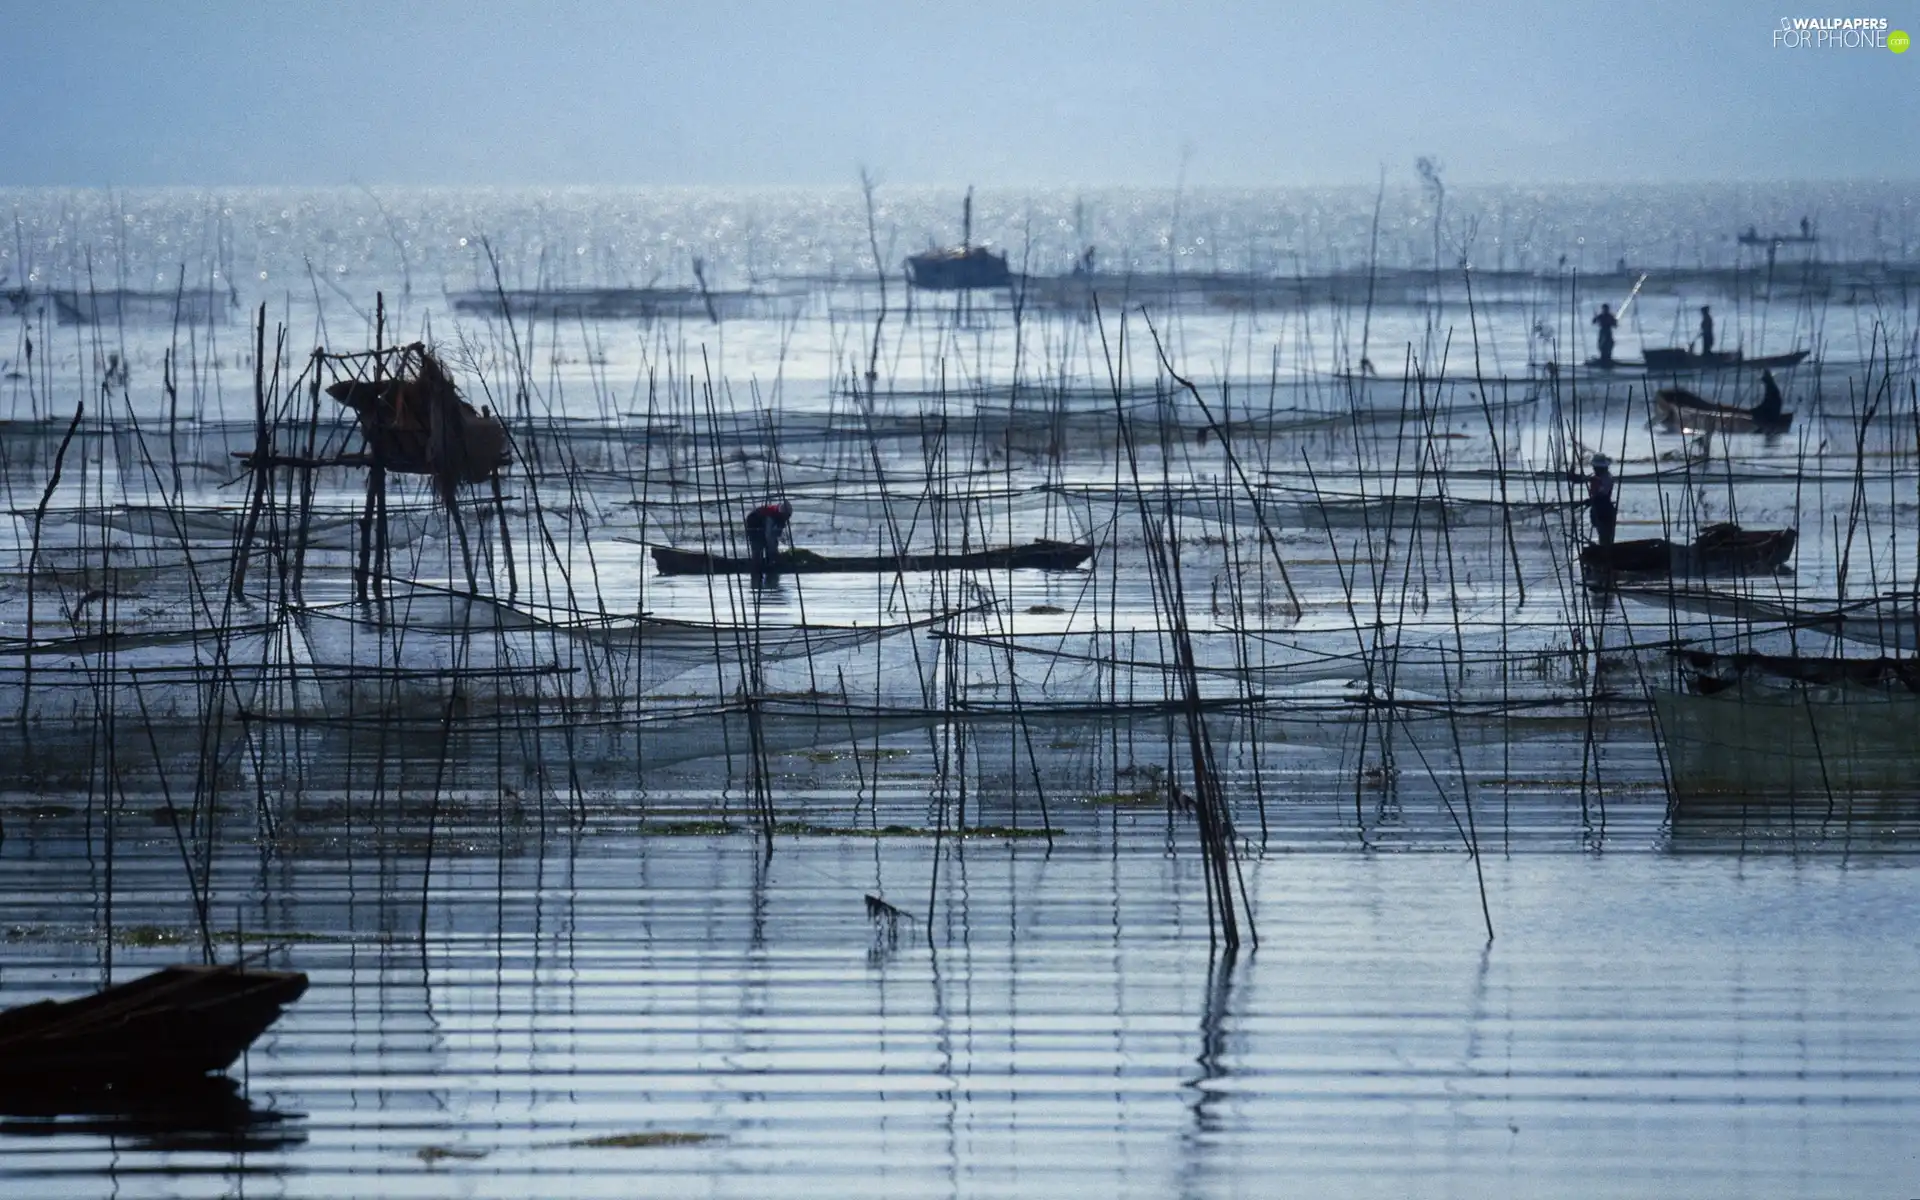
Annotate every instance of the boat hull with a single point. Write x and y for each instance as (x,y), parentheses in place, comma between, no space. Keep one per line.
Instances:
(1763,744)
(178,1023)
(1679,358)
(1681,408)
(1676,359)
(959,270)
(1039,556)
(1719,550)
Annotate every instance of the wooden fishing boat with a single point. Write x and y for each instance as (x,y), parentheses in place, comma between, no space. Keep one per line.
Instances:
(962,267)
(1679,358)
(1719,550)
(1710,672)
(1768,743)
(1035,556)
(1675,359)
(178,1023)
(957,268)
(1695,414)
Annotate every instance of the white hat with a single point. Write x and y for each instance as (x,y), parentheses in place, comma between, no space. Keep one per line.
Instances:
(1602,462)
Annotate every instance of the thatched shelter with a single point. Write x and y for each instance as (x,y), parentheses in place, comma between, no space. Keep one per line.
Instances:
(415,422)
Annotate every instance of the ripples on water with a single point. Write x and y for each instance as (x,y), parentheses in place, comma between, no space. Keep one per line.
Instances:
(1647,1023)
(590,980)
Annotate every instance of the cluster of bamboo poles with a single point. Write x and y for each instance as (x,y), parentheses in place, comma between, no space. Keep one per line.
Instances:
(1192,480)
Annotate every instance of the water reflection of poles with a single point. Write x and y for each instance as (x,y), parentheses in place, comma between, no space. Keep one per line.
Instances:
(1211,1060)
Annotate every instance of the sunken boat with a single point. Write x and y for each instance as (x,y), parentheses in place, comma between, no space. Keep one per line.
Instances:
(175,1025)
(1696,414)
(1723,549)
(1034,556)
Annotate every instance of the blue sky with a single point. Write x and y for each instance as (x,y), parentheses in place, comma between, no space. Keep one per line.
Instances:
(601,91)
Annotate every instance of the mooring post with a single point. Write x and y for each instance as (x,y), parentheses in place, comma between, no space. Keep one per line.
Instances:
(262,465)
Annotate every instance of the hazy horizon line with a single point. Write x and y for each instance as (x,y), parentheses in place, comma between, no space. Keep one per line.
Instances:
(881,183)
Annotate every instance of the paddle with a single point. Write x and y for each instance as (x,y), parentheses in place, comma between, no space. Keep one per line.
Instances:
(1621,315)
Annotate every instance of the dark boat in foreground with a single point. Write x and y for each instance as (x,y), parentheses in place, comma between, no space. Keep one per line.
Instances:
(1696,414)
(1036,556)
(1710,672)
(176,1024)
(1724,549)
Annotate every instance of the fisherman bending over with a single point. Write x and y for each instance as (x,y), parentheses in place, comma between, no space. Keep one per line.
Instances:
(1773,402)
(1600,505)
(1606,321)
(1706,331)
(765,526)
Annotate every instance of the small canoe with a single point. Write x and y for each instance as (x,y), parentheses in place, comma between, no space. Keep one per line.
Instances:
(1668,360)
(1719,550)
(1679,358)
(1035,556)
(178,1023)
(1695,414)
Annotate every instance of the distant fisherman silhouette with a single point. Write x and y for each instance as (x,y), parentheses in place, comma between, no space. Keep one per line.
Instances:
(1706,331)
(1600,505)
(1773,402)
(765,526)
(1606,321)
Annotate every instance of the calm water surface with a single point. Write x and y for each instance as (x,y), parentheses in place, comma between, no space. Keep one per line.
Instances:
(550,957)
(1668,1017)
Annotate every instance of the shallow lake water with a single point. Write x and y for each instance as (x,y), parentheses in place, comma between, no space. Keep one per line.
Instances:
(615,883)
(595,1013)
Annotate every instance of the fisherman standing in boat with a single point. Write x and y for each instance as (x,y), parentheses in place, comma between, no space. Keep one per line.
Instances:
(1706,332)
(1772,403)
(1606,321)
(765,527)
(1600,505)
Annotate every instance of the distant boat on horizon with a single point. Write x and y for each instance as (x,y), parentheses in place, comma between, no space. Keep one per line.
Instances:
(1753,237)
(962,267)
